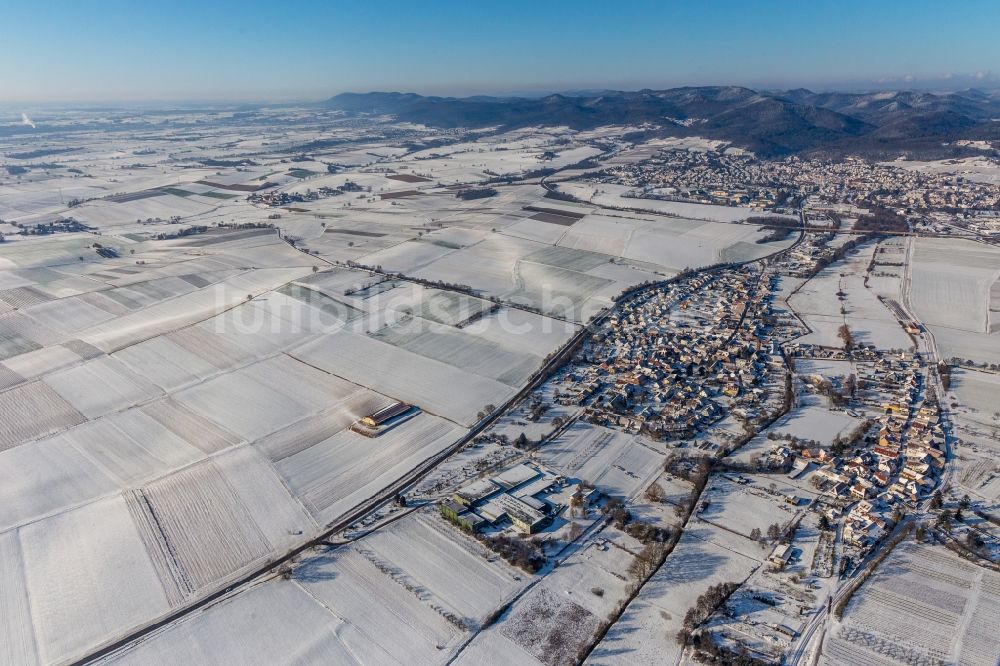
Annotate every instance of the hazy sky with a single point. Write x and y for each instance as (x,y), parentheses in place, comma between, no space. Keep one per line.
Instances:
(247,50)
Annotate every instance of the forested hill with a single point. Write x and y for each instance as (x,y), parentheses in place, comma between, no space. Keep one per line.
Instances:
(883,124)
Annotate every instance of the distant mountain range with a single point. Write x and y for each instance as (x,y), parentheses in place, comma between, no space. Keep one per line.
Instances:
(882,124)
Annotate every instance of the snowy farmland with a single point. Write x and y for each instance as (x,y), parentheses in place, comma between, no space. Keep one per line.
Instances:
(410,593)
(199,446)
(440,388)
(954,290)
(924,605)
(613,196)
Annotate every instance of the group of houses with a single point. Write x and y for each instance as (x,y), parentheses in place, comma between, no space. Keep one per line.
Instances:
(670,360)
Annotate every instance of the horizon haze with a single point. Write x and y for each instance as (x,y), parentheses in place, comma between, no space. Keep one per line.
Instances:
(119,52)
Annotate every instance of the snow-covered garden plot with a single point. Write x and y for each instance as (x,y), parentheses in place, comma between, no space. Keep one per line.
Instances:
(278,622)
(923,605)
(550,627)
(32,410)
(741,509)
(347,468)
(433,386)
(646,632)
(951,282)
(88,576)
(617,463)
(453,569)
(383,620)
(810,420)
(460,349)
(559,616)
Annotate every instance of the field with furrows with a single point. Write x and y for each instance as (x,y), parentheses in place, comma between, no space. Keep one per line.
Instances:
(32,410)
(923,606)
(201,526)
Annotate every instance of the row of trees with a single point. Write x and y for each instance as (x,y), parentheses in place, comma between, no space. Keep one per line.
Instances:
(475,193)
(704,606)
(775,533)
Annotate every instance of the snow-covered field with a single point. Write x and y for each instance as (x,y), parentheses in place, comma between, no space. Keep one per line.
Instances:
(951,281)
(646,632)
(410,593)
(979,391)
(176,396)
(742,509)
(613,196)
(339,472)
(619,464)
(813,421)
(924,603)
(437,387)
(838,295)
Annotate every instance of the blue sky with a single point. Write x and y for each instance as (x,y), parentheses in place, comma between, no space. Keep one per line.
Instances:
(249,50)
